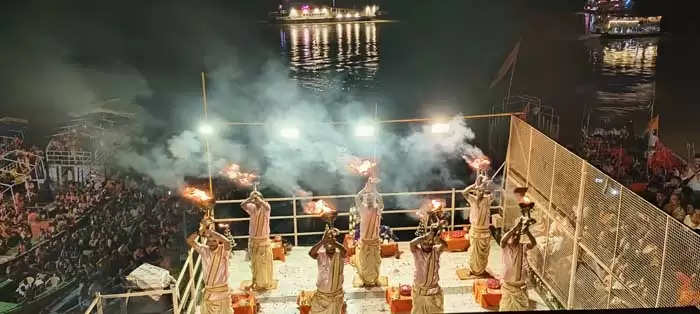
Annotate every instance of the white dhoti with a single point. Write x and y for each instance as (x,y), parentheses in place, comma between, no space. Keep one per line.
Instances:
(514,297)
(367,260)
(217,306)
(328,303)
(427,300)
(479,246)
(261,264)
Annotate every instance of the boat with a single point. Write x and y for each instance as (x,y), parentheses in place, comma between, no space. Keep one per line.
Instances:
(307,13)
(628,26)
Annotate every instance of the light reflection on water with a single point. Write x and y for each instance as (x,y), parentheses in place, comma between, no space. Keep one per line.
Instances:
(324,57)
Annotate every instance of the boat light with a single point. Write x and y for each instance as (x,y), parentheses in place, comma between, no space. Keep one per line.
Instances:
(293,12)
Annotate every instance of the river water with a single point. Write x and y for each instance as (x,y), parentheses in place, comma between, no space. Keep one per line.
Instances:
(413,66)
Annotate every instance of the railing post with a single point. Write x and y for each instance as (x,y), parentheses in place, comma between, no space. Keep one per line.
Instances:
(529,160)
(549,211)
(453,209)
(617,238)
(506,171)
(294,214)
(663,262)
(175,294)
(577,235)
(190,266)
(99,303)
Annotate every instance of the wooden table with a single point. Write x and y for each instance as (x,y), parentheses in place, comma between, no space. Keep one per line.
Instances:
(401,305)
(487,298)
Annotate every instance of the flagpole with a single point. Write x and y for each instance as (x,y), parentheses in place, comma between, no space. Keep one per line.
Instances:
(512,73)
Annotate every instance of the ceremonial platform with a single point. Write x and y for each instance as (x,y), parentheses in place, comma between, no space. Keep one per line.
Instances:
(299,272)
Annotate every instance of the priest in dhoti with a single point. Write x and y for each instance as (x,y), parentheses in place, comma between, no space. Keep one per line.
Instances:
(215,257)
(329,256)
(514,288)
(427,294)
(367,258)
(259,246)
(479,198)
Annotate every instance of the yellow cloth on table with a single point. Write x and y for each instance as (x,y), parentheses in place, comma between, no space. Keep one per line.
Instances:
(328,303)
(427,301)
(514,297)
(220,306)
(261,264)
(479,246)
(367,260)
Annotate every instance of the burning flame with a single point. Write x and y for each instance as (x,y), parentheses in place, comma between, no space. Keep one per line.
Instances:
(479,163)
(317,208)
(526,200)
(361,167)
(436,204)
(234,173)
(196,194)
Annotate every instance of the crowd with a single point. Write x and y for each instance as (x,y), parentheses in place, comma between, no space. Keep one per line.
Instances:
(649,168)
(124,224)
(70,142)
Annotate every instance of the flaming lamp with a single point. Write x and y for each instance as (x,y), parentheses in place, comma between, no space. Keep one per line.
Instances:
(203,200)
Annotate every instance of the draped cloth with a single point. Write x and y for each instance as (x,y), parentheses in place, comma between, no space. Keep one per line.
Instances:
(261,264)
(479,246)
(514,296)
(367,260)
(216,306)
(328,303)
(427,300)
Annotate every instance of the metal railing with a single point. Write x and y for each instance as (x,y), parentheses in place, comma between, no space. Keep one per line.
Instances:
(68,158)
(185,299)
(599,244)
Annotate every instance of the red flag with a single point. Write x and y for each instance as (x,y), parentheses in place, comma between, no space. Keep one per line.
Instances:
(507,65)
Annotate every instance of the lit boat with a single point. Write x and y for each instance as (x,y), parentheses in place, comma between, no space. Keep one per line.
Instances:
(306,13)
(628,26)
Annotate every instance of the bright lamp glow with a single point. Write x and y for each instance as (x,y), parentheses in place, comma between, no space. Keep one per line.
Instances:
(316,11)
(290,133)
(293,12)
(206,129)
(357,15)
(364,130)
(440,128)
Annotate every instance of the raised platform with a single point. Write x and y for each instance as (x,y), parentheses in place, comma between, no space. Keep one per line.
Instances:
(299,273)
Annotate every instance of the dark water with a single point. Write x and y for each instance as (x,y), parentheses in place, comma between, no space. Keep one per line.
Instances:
(421,68)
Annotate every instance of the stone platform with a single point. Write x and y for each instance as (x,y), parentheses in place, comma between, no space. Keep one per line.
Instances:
(299,273)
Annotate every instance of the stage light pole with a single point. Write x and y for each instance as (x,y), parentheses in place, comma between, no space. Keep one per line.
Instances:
(206,130)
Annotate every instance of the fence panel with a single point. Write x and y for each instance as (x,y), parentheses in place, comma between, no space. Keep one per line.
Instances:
(631,254)
(681,262)
(601,202)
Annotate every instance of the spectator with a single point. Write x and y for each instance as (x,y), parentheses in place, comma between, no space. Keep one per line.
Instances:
(692,219)
(674,207)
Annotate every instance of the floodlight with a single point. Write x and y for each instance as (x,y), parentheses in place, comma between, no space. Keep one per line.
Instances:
(364,130)
(206,129)
(440,127)
(290,133)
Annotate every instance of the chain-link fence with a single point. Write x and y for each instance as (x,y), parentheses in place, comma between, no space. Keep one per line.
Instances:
(599,245)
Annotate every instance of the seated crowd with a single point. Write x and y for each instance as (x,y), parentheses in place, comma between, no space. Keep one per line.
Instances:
(131,224)
(650,169)
(69,142)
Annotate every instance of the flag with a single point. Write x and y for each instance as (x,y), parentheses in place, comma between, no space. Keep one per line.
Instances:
(507,65)
(653,124)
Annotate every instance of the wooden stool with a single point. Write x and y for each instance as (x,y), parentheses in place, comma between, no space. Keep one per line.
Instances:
(487,298)
(278,251)
(457,241)
(389,249)
(349,244)
(398,303)
(243,303)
